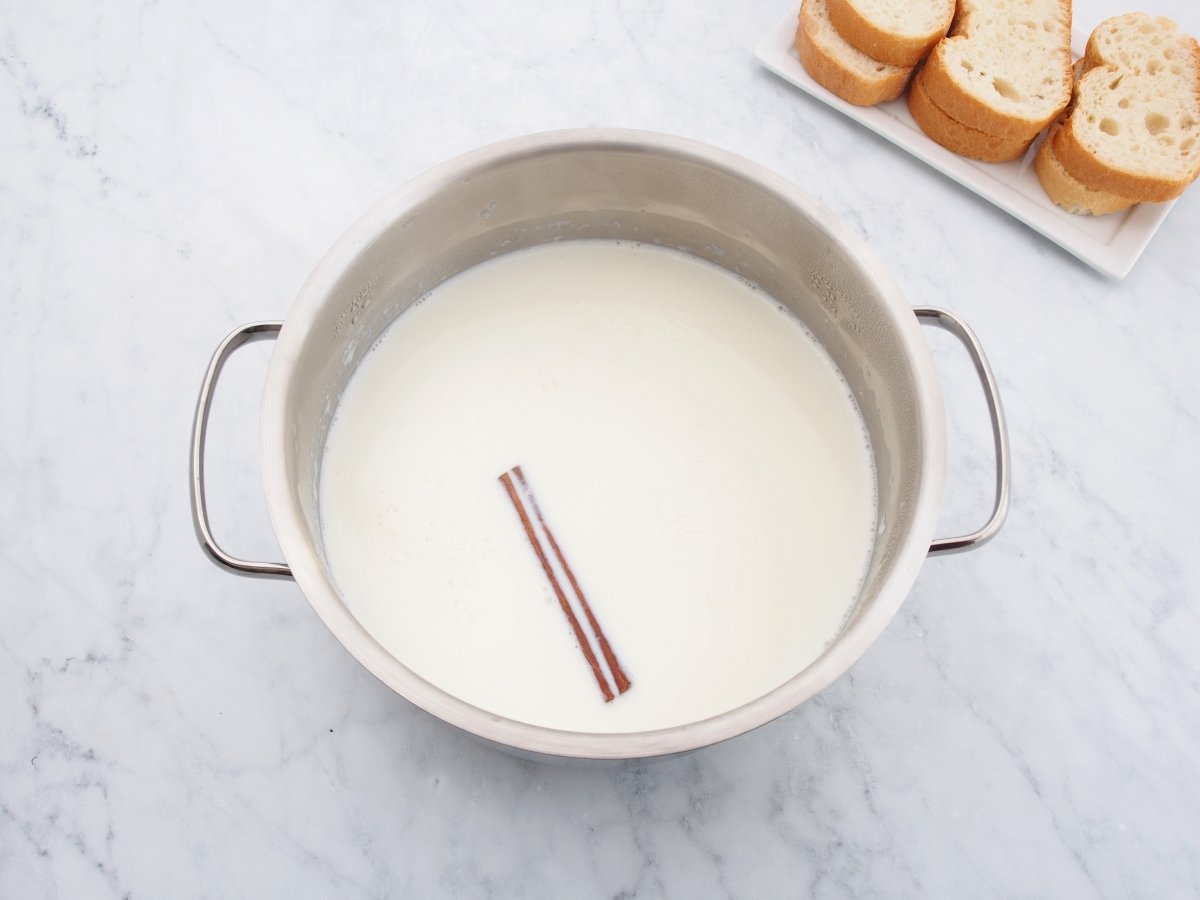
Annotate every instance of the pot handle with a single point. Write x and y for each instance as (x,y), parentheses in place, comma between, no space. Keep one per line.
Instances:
(254,331)
(957,327)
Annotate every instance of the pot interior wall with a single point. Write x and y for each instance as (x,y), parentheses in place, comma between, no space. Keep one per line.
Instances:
(600,191)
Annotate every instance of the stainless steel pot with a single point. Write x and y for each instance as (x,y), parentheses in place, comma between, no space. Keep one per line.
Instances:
(607,184)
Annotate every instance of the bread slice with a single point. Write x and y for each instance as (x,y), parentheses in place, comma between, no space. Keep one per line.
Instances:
(953,135)
(1006,67)
(1135,127)
(1066,191)
(1063,188)
(899,32)
(841,68)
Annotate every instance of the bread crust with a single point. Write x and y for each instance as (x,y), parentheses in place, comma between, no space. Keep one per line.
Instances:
(831,73)
(881,44)
(954,135)
(1066,191)
(1082,164)
(973,111)
(1079,162)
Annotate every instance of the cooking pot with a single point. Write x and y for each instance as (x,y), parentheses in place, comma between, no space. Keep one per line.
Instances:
(635,186)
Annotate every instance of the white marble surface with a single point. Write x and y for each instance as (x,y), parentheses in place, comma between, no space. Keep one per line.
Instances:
(1028,726)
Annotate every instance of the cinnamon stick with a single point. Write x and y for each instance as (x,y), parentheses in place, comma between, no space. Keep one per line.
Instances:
(605,667)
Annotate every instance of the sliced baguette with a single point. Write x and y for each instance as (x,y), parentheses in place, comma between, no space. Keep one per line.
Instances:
(954,135)
(1072,195)
(899,32)
(1063,188)
(1135,127)
(1005,69)
(840,67)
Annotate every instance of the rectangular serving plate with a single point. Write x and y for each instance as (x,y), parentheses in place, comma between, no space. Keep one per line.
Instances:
(1110,244)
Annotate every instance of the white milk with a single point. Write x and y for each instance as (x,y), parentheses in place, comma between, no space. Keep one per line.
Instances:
(696,454)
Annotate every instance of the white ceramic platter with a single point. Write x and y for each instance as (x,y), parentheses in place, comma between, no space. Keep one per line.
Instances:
(1110,244)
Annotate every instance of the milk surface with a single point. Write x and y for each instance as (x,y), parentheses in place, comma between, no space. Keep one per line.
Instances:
(697,454)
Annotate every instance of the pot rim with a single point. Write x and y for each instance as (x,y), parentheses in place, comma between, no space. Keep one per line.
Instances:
(287,517)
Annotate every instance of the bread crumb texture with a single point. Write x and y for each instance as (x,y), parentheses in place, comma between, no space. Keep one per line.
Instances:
(1006,67)
(900,32)
(1135,124)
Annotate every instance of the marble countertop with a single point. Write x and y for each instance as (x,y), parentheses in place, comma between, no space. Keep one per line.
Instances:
(1028,726)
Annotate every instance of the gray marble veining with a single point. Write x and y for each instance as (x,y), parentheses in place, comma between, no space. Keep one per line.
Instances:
(1029,726)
